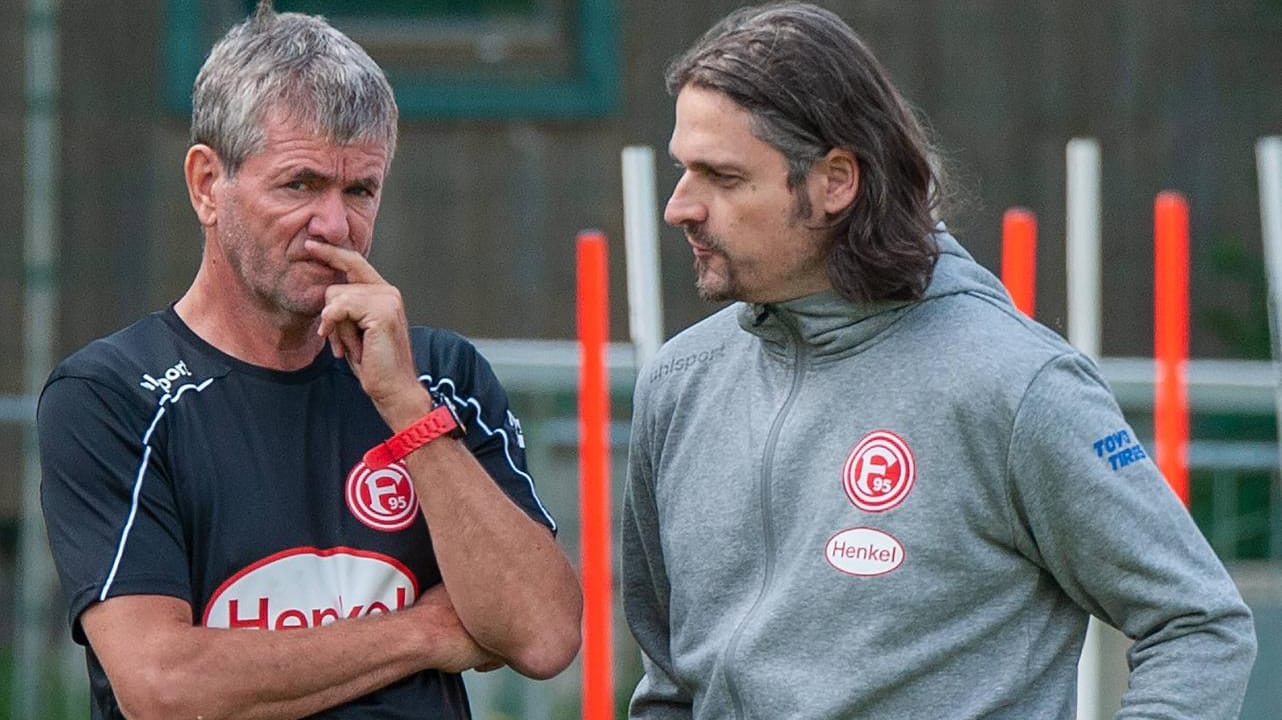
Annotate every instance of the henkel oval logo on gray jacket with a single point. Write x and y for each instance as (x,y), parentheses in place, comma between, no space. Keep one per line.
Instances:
(864,552)
(307,587)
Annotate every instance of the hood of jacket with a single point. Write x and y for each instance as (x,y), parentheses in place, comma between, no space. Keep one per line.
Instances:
(831,326)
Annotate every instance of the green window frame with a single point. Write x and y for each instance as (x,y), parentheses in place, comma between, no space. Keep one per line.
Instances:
(581,80)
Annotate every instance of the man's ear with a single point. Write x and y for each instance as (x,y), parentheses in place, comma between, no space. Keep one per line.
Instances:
(203,169)
(841,180)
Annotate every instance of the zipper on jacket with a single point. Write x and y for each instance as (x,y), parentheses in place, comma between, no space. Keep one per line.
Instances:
(768,535)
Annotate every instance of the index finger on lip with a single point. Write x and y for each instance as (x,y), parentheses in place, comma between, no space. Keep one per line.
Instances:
(351,262)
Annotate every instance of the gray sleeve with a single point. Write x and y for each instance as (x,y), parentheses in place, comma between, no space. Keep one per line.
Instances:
(645,583)
(1093,510)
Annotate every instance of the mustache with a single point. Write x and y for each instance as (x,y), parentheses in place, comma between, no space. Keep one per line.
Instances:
(697,234)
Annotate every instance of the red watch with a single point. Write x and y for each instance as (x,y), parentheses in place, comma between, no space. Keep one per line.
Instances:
(441,421)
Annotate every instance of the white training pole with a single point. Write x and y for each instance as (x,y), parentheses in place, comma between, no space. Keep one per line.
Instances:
(1268,161)
(1082,245)
(641,240)
(40,230)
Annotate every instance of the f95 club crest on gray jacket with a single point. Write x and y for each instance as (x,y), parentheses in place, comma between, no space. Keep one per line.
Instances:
(906,510)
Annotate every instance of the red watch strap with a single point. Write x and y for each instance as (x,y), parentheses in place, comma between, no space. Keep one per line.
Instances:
(440,421)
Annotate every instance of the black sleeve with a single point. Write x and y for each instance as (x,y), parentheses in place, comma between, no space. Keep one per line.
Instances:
(493,431)
(108,506)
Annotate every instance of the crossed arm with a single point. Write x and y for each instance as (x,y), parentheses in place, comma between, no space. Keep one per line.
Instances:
(161,666)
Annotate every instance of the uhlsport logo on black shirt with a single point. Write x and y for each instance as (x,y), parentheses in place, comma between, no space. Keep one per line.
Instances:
(167,378)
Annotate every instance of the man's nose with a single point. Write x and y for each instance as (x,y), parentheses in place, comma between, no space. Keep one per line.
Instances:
(683,207)
(329,218)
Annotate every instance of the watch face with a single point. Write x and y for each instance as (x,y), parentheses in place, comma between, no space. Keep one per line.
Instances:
(441,400)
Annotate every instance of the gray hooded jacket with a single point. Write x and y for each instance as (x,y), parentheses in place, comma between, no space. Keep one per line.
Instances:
(906,511)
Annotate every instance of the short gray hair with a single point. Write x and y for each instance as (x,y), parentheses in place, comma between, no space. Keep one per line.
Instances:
(295,63)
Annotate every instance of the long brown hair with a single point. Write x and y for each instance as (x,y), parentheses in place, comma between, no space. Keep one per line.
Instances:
(810,85)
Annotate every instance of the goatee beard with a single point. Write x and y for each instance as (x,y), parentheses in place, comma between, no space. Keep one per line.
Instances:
(699,236)
(708,292)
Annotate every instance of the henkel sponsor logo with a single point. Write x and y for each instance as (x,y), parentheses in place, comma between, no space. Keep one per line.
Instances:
(167,378)
(383,499)
(308,587)
(864,552)
(879,473)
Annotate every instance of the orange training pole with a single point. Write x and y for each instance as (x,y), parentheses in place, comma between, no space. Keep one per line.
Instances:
(1019,257)
(1171,338)
(594,477)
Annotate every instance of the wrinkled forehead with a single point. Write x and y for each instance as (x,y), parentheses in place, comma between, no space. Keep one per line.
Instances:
(286,121)
(290,146)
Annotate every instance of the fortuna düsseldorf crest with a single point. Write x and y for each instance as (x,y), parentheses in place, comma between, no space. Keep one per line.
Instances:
(879,472)
(383,499)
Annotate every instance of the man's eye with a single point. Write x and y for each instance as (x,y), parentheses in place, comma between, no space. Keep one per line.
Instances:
(296,185)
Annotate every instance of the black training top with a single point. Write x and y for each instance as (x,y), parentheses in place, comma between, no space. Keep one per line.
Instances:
(172,468)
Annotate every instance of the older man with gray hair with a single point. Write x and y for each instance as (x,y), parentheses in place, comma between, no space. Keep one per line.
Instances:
(279,451)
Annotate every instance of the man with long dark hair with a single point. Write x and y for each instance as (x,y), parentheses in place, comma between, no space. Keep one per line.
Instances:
(871,488)
(239,489)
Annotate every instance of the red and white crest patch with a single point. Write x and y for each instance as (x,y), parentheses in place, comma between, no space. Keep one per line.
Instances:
(880,472)
(383,499)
